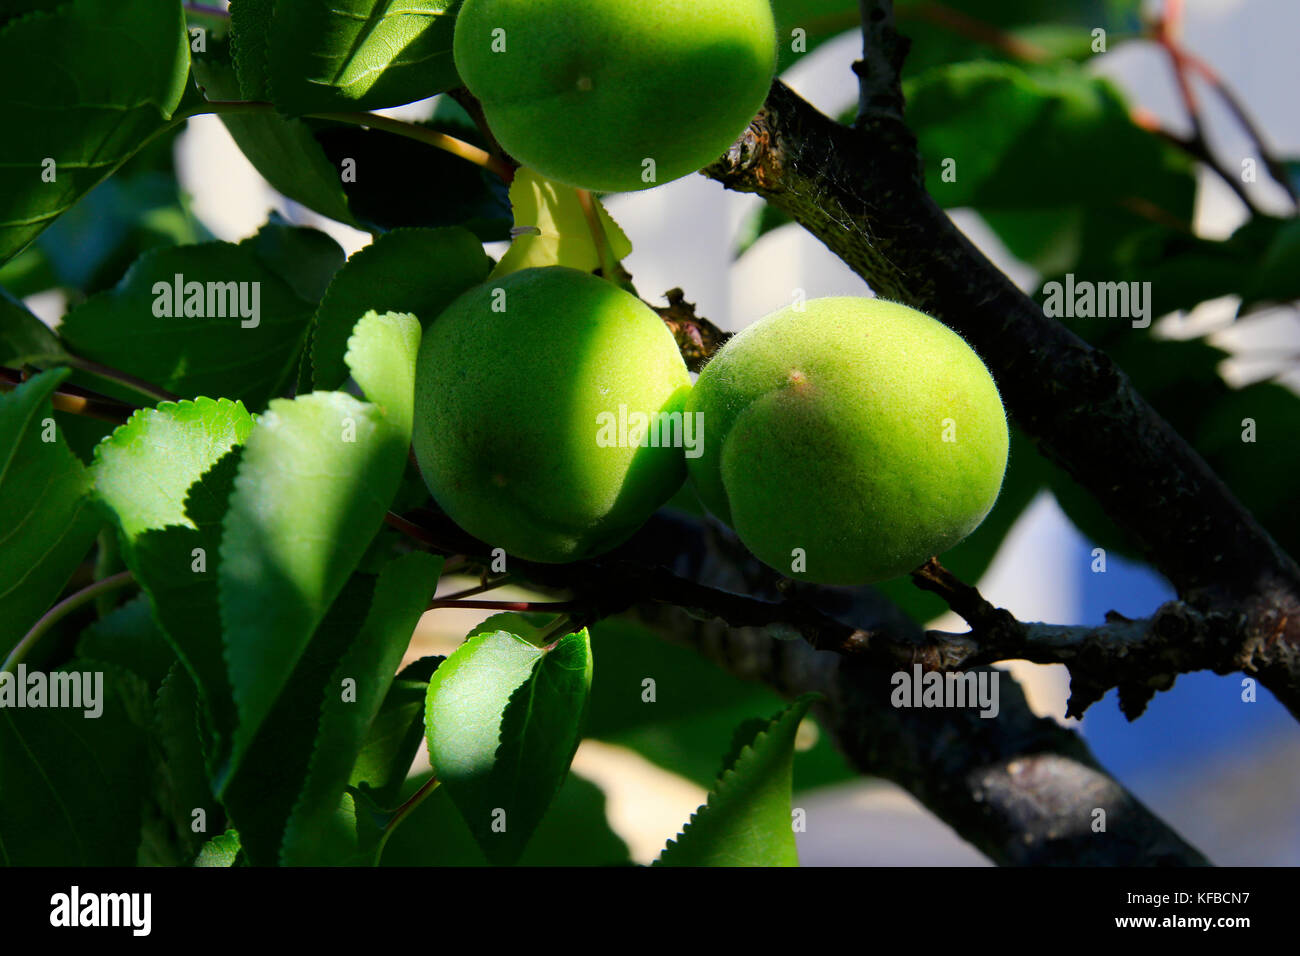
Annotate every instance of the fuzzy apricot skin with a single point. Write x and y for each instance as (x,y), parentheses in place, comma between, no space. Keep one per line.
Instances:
(513,383)
(587,91)
(856,436)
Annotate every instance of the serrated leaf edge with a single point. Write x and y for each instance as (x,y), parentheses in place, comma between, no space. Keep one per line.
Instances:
(799,707)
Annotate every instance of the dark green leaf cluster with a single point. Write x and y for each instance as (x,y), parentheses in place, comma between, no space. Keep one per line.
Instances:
(203,467)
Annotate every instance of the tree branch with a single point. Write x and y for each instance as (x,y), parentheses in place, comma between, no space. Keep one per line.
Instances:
(697,337)
(880,90)
(860,191)
(1022,789)
(1137,656)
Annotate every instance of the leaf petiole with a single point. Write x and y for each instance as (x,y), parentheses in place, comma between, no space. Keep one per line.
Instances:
(59,612)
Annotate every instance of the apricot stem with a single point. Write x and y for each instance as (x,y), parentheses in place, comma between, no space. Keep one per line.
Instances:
(430,137)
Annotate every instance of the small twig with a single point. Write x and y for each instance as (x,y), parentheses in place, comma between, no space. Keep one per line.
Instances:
(522,606)
(697,338)
(942,15)
(1167,33)
(404,811)
(1199,150)
(422,134)
(67,400)
(470,104)
(480,589)
(880,91)
(411,530)
(59,612)
(135,383)
(963,598)
(1275,168)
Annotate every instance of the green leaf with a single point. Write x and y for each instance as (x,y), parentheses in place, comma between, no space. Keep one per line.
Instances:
(959,30)
(17,8)
(282,149)
(503,719)
(574,832)
(392,741)
(416,271)
(1259,263)
(695,704)
(181,773)
(452,192)
(1276,275)
(404,589)
(109,77)
(127,637)
(47,523)
(260,790)
(381,354)
(1016,133)
(71,786)
(746,821)
(1002,138)
(25,339)
(28,272)
(278,275)
(558,233)
(263,790)
(177,566)
(314,483)
(173,444)
(816,20)
(250,25)
(763,220)
(359,54)
(171,526)
(1248,438)
(221,850)
(1291,170)
(140,207)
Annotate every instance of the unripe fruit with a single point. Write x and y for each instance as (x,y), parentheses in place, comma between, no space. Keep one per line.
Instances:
(587,91)
(860,431)
(513,383)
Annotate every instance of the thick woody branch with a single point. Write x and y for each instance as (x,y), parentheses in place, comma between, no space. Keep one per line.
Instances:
(1022,789)
(861,193)
(655,568)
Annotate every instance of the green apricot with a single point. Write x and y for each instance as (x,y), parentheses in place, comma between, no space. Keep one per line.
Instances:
(517,384)
(586,91)
(860,431)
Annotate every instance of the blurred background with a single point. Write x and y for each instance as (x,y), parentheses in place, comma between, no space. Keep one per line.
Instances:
(1224,772)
